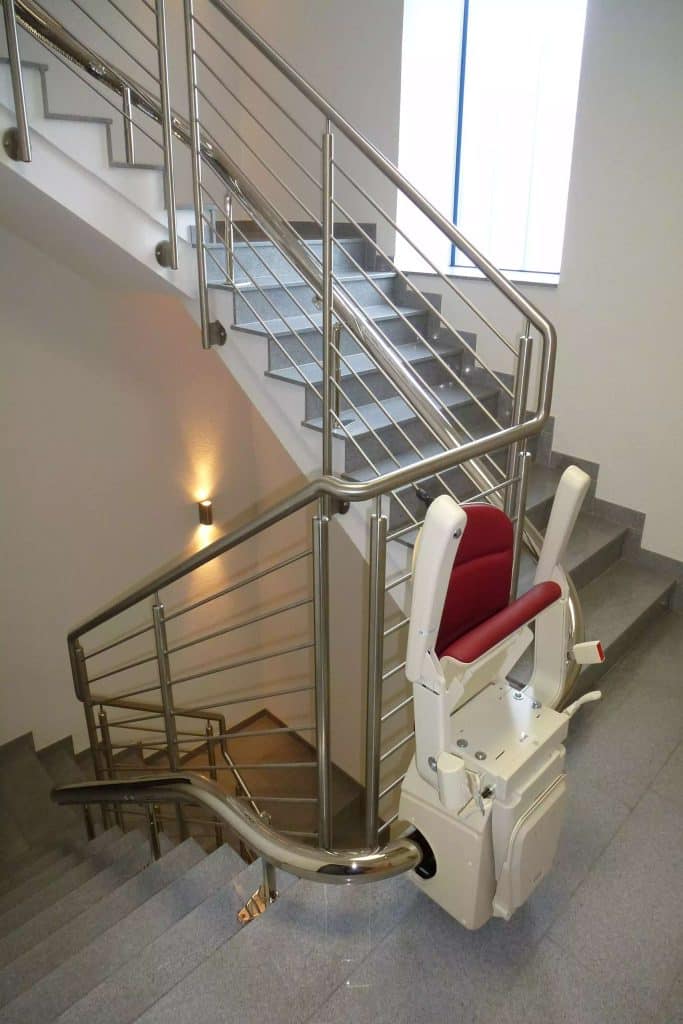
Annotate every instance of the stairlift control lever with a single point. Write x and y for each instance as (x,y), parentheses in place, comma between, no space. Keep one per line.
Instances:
(587,698)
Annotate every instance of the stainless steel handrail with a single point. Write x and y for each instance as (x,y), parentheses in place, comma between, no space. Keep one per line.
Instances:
(23,139)
(346,867)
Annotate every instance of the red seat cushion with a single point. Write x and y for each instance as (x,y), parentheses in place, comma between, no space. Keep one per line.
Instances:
(479,586)
(471,645)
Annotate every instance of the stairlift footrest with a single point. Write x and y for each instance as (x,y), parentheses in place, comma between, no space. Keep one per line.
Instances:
(588,653)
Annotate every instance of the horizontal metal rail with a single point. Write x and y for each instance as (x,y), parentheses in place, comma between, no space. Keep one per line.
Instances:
(239,625)
(347,867)
(268,656)
(236,586)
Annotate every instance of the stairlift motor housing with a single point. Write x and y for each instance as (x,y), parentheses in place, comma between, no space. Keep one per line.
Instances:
(486,787)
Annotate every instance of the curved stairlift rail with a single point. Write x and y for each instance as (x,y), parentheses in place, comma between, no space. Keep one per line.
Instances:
(331,492)
(340,867)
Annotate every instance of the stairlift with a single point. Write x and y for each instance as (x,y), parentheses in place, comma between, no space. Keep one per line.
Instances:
(485,790)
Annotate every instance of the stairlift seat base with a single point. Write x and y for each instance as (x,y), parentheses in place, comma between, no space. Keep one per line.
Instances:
(493,851)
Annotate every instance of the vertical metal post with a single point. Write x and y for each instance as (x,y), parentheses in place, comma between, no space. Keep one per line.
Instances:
(154,841)
(166,251)
(128,140)
(524,463)
(321,625)
(269,881)
(229,240)
(328,293)
(519,407)
(89,823)
(16,141)
(79,672)
(211,754)
(373,727)
(109,760)
(335,375)
(213,332)
(165,691)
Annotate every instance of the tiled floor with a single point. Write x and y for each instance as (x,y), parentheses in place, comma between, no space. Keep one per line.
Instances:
(601,942)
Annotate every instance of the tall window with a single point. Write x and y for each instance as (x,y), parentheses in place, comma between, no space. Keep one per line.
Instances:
(517,106)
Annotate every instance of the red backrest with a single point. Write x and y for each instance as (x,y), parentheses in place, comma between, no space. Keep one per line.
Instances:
(480,579)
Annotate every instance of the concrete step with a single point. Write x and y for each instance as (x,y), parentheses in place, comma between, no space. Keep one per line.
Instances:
(594,546)
(43,955)
(14,844)
(125,941)
(251,301)
(379,430)
(59,760)
(259,261)
(305,325)
(25,794)
(41,858)
(305,346)
(108,861)
(618,605)
(143,980)
(362,382)
(75,903)
(39,876)
(285,964)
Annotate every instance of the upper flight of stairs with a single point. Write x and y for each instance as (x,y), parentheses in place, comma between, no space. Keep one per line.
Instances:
(618,593)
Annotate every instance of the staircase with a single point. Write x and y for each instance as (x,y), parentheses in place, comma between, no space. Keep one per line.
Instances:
(345,355)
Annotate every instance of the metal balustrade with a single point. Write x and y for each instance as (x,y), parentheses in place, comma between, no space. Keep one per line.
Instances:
(233,128)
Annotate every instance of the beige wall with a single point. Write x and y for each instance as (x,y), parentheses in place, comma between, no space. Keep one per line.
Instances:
(114,422)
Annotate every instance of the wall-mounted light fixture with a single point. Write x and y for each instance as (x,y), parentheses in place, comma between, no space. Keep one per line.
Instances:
(205,512)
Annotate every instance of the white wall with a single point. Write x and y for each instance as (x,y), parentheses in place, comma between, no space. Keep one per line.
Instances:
(617,306)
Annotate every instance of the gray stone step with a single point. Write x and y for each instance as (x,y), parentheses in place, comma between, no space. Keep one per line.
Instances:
(41,957)
(269,302)
(59,760)
(289,348)
(285,964)
(13,844)
(105,860)
(37,877)
(39,859)
(362,382)
(56,914)
(143,980)
(374,436)
(617,607)
(123,942)
(25,794)
(260,260)
(594,546)
(377,311)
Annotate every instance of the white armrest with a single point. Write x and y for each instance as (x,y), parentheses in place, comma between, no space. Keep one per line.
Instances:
(571,491)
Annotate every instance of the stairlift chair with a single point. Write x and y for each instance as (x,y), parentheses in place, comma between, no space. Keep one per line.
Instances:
(485,790)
